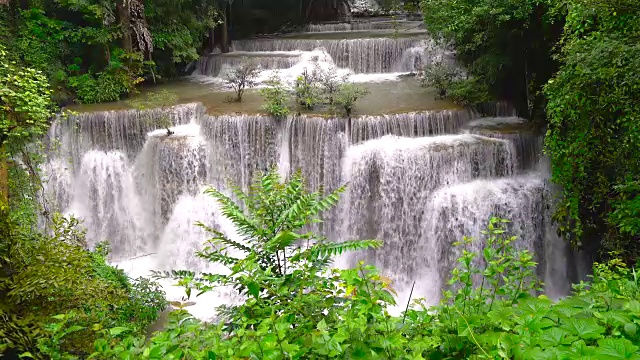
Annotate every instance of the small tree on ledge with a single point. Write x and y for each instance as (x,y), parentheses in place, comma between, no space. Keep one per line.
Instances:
(243,77)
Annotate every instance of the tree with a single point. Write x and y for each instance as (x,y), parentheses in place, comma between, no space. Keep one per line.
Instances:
(506,45)
(243,77)
(593,137)
(25,110)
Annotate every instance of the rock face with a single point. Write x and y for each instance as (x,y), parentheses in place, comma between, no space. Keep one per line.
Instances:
(328,10)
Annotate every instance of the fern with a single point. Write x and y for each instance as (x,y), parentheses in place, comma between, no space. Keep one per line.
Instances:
(338,248)
(268,217)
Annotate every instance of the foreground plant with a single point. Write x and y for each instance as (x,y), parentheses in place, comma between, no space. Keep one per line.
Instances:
(296,308)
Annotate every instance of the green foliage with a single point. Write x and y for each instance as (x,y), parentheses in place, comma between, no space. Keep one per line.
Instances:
(439,75)
(39,44)
(593,125)
(270,245)
(468,92)
(45,276)
(243,77)
(347,96)
(25,103)
(490,310)
(51,35)
(324,89)
(307,92)
(118,79)
(505,45)
(276,97)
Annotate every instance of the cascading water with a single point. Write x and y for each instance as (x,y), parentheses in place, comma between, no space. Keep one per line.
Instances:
(392,178)
(374,55)
(418,180)
(219,64)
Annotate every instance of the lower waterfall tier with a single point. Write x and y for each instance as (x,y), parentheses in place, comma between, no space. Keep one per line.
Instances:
(417,181)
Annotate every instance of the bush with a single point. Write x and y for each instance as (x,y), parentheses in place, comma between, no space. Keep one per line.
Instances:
(308,94)
(347,96)
(118,80)
(276,97)
(243,77)
(448,83)
(47,276)
(468,92)
(439,75)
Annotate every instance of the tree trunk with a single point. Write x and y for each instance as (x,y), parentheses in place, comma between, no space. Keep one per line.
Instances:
(224,42)
(211,41)
(124,19)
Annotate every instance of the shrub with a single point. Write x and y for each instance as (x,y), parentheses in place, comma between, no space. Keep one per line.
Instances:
(276,96)
(330,83)
(347,96)
(117,80)
(48,276)
(468,92)
(439,75)
(308,93)
(243,77)
(447,80)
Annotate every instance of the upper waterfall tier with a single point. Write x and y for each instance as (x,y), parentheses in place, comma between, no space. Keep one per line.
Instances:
(373,55)
(364,25)
(213,65)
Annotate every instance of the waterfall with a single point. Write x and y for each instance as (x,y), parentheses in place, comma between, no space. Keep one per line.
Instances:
(464,210)
(416,124)
(220,64)
(391,179)
(240,146)
(354,26)
(527,143)
(104,198)
(373,55)
(418,181)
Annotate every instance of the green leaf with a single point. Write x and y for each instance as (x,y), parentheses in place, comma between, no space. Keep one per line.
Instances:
(584,328)
(609,349)
(631,329)
(554,337)
(118,330)
(254,289)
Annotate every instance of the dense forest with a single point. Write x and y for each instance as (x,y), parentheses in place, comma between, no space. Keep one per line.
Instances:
(572,67)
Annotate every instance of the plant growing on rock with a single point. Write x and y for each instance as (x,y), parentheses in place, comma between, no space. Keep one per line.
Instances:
(243,77)
(307,91)
(347,96)
(439,75)
(276,96)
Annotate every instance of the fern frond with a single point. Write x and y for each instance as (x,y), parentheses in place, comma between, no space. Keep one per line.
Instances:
(298,210)
(338,248)
(221,239)
(232,211)
(330,200)
(216,256)
(173,274)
